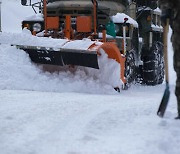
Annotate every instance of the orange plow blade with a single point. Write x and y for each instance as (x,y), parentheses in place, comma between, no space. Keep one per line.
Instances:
(62,57)
(113,53)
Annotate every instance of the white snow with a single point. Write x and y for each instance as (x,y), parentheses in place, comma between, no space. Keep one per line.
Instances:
(157,10)
(119,18)
(79,44)
(35,17)
(143,8)
(157,27)
(74,112)
(25,38)
(17,72)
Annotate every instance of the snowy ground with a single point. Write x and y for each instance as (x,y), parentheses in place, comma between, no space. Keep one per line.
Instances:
(71,113)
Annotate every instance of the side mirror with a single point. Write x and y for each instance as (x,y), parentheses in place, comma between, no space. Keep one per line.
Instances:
(23,2)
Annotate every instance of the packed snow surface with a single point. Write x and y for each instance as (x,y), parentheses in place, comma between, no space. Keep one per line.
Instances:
(77,111)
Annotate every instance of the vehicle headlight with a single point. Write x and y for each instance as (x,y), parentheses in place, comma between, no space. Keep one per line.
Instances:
(37,27)
(26,26)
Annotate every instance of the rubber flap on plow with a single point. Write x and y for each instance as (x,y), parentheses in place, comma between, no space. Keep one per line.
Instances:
(62,56)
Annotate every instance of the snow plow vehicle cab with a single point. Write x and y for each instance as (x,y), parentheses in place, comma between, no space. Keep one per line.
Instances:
(129,32)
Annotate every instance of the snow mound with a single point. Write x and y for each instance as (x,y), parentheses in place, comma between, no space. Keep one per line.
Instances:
(26,38)
(19,73)
(109,71)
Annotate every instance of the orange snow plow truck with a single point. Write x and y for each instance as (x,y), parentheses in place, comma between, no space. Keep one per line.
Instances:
(129,32)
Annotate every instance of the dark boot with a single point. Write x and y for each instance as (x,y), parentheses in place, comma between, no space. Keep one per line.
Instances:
(178,100)
(178,117)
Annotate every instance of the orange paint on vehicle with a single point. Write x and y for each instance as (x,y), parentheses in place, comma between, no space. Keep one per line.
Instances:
(53,23)
(84,24)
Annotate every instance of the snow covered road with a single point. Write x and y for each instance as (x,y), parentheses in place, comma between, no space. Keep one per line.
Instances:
(77,123)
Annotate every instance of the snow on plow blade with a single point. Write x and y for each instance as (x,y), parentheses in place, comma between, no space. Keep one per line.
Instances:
(62,56)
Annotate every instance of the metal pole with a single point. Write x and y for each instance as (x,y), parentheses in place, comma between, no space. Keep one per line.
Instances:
(124,39)
(0,15)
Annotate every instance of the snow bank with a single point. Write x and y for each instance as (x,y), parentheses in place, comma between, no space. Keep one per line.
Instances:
(109,71)
(17,72)
(108,74)
(119,18)
(25,38)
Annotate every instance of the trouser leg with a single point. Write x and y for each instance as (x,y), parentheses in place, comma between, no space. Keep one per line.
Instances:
(177,92)
(177,69)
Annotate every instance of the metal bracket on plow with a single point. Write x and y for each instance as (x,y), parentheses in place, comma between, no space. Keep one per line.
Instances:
(61,56)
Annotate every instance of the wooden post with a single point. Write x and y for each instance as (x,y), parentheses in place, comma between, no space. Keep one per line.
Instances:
(165,41)
(95,17)
(45,15)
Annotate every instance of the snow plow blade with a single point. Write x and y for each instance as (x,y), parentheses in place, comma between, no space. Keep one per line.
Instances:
(61,57)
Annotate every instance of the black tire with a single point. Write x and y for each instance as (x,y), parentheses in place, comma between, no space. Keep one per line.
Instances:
(161,69)
(130,67)
(153,65)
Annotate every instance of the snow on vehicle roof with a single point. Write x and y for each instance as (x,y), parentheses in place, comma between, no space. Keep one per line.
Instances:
(35,17)
(119,18)
(144,8)
(157,10)
(157,27)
